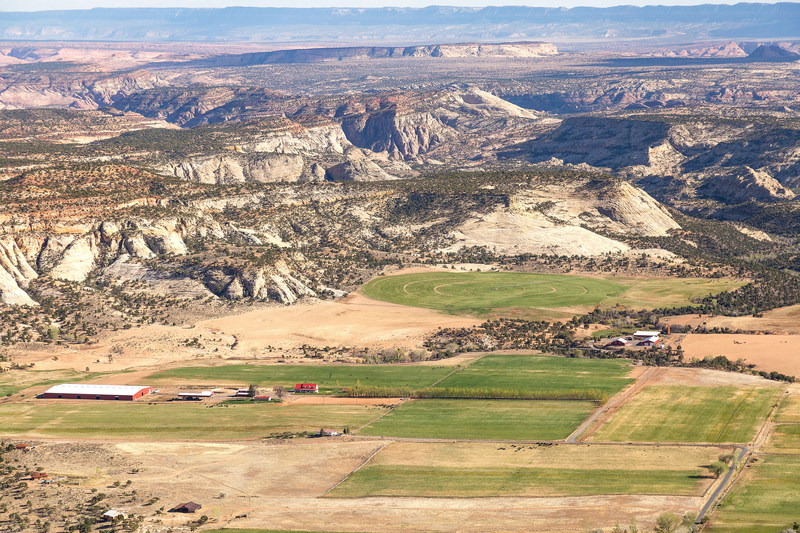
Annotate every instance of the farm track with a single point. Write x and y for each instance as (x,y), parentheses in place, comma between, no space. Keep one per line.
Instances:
(613,404)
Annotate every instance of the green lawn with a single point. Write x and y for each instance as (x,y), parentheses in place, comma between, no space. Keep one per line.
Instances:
(421,481)
(483,292)
(690,414)
(328,377)
(544,373)
(167,421)
(482,419)
(766,499)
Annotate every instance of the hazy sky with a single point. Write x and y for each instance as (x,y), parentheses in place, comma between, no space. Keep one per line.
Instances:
(38,5)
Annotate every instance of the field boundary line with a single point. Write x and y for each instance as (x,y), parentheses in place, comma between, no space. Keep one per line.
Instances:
(615,402)
(389,410)
(457,370)
(359,467)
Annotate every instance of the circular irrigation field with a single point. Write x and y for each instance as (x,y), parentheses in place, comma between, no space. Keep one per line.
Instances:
(478,292)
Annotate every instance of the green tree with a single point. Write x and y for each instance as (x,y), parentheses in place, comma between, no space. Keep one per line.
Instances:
(667,523)
(717,468)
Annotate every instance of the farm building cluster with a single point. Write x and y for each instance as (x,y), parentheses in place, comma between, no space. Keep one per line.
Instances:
(84,391)
(639,338)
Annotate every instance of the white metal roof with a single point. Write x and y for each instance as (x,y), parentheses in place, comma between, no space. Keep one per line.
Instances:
(652,339)
(205,394)
(89,389)
(646,333)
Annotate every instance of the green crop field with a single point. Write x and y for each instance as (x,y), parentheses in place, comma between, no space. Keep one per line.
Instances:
(326,376)
(765,500)
(690,414)
(165,421)
(785,438)
(484,292)
(421,481)
(543,373)
(482,419)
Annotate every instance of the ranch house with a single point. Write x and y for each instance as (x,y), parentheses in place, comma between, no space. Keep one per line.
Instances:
(306,387)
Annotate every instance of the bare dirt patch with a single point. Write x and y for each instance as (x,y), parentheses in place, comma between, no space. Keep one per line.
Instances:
(783,320)
(279,485)
(779,353)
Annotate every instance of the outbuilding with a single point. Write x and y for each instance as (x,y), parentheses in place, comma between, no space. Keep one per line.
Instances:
(188,507)
(306,387)
(113,514)
(195,395)
(652,341)
(83,391)
(619,341)
(642,335)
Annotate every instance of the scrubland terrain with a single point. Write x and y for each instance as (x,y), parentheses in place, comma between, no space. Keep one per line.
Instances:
(445,239)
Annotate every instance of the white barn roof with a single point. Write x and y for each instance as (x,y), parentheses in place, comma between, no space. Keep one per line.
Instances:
(85,388)
(646,333)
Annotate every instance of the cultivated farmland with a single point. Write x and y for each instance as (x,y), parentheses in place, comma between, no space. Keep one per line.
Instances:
(690,414)
(543,373)
(480,470)
(174,420)
(326,376)
(483,292)
(765,500)
(482,419)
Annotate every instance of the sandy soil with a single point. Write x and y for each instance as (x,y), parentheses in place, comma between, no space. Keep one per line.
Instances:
(279,486)
(701,377)
(780,353)
(783,320)
(352,321)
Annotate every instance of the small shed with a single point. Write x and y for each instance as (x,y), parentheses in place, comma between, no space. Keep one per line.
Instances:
(306,387)
(188,507)
(242,393)
(113,514)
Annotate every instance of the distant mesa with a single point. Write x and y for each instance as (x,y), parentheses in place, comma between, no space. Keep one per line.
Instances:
(315,55)
(773,52)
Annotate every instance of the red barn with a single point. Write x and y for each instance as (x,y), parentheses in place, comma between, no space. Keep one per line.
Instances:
(652,341)
(621,341)
(306,387)
(83,391)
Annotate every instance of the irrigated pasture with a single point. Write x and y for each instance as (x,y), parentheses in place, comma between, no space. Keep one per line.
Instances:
(483,292)
(163,421)
(690,414)
(542,373)
(326,376)
(482,419)
(481,470)
(764,500)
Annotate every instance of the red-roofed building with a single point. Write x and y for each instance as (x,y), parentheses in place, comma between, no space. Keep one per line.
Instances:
(306,387)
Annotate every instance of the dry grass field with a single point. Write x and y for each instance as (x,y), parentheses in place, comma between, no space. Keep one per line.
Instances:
(480,470)
(779,353)
(278,486)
